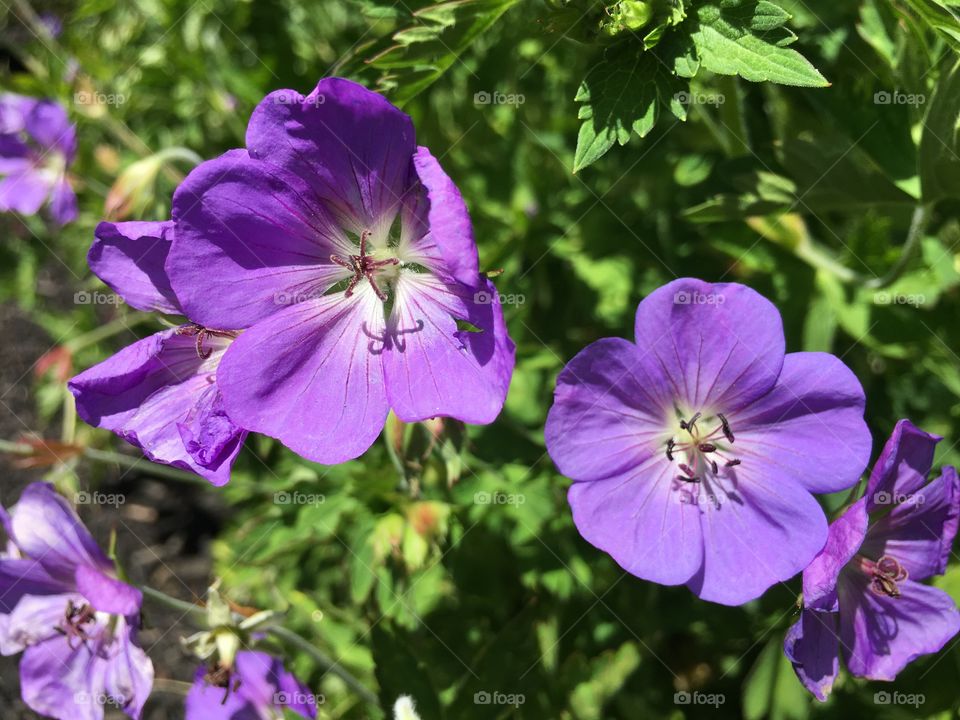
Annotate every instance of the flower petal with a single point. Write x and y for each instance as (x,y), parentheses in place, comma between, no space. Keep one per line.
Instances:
(128,674)
(249,240)
(47,123)
(902,467)
(442,239)
(21,576)
(62,682)
(208,702)
(350,144)
(312,376)
(107,594)
(34,619)
(641,519)
(208,434)
(23,192)
(433,368)
(267,684)
(145,391)
(919,532)
(610,411)
(720,345)
(882,635)
(844,539)
(129,257)
(809,427)
(813,646)
(46,529)
(758,532)
(63,202)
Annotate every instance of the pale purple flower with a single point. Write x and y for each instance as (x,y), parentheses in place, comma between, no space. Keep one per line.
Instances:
(159,393)
(349,254)
(256,688)
(694,451)
(65,609)
(863,593)
(37,145)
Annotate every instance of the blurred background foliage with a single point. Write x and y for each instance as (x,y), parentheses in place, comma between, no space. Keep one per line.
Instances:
(444,562)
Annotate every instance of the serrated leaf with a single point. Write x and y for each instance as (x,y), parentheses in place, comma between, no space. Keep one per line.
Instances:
(747,38)
(622,94)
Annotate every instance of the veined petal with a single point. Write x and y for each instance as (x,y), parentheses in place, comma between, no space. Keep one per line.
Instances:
(62,681)
(23,576)
(844,539)
(250,239)
(147,390)
(350,144)
(34,619)
(882,635)
(720,345)
(809,427)
(759,531)
(208,702)
(127,673)
(644,519)
(106,593)
(208,433)
(610,411)
(813,646)
(312,376)
(129,257)
(919,531)
(433,368)
(46,529)
(902,467)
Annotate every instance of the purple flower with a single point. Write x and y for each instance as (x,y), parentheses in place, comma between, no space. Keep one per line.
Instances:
(349,255)
(160,393)
(257,687)
(695,450)
(863,591)
(37,145)
(65,609)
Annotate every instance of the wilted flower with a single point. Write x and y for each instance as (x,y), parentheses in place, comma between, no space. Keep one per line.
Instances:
(695,450)
(349,255)
(161,392)
(37,145)
(863,591)
(256,686)
(65,609)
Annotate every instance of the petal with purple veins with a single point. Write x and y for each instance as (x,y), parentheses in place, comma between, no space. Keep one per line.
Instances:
(902,467)
(129,257)
(813,646)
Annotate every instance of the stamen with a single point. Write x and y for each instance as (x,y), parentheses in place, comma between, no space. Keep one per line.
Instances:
(689,426)
(887,572)
(725,426)
(202,333)
(732,463)
(364,266)
(670,443)
(688,471)
(707,447)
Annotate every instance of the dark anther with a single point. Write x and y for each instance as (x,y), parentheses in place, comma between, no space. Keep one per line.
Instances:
(687,471)
(727,432)
(713,466)
(202,333)
(77,617)
(363,266)
(887,572)
(707,447)
(221,676)
(688,479)
(688,426)
(731,463)
(670,444)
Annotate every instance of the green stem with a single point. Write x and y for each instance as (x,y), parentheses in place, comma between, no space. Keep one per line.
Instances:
(918,226)
(198,614)
(114,327)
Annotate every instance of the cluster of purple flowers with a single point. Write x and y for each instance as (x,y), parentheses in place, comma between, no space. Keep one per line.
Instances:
(37,145)
(328,275)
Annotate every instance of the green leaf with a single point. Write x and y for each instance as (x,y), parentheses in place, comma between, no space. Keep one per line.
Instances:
(772,690)
(939,162)
(621,95)
(747,38)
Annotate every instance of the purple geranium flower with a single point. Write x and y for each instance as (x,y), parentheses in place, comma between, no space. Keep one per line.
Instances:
(863,591)
(37,145)
(160,393)
(349,255)
(695,450)
(257,688)
(65,609)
